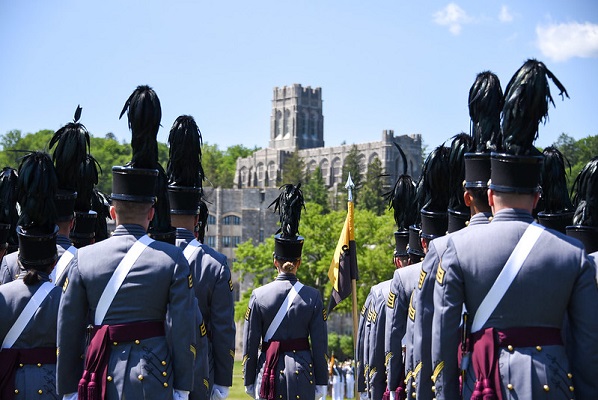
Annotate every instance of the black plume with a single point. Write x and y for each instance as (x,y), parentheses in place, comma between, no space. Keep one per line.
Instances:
(88,178)
(486,101)
(402,198)
(202,223)
(8,202)
(289,204)
(585,195)
(37,187)
(161,221)
(462,143)
(526,105)
(101,205)
(434,195)
(184,163)
(144,114)
(72,145)
(555,197)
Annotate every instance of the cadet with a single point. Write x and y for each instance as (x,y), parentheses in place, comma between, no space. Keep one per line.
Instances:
(361,361)
(516,346)
(8,211)
(30,303)
(211,275)
(282,315)
(433,202)
(485,104)
(127,284)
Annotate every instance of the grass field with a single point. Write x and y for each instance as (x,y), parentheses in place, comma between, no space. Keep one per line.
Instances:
(237,391)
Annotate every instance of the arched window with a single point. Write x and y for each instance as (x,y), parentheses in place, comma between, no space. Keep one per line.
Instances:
(211,220)
(336,171)
(231,220)
(287,121)
(277,123)
(260,174)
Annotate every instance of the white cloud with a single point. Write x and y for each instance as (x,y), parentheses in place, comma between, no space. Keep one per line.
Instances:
(452,16)
(561,42)
(505,14)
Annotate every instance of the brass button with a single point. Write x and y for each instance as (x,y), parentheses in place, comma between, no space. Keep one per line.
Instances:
(16,391)
(310,365)
(413,384)
(140,377)
(137,341)
(109,378)
(294,351)
(282,372)
(546,388)
(39,365)
(311,373)
(114,343)
(413,394)
(311,382)
(539,348)
(297,396)
(433,388)
(40,391)
(296,372)
(569,375)
(280,396)
(510,348)
(163,362)
(165,384)
(164,373)
(571,389)
(510,386)
(21,365)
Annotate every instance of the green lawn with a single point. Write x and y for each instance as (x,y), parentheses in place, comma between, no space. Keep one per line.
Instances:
(237,391)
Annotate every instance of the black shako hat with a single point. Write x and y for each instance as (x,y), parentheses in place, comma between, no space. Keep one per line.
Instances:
(84,230)
(585,197)
(184,170)
(37,229)
(555,210)
(289,203)
(136,181)
(458,211)
(435,192)
(414,248)
(9,214)
(518,168)
(402,199)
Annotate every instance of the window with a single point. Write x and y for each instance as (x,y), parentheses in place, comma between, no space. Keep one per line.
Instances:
(211,220)
(211,241)
(231,241)
(231,220)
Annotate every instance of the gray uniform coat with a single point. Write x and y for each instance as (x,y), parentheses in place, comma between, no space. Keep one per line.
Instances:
(556,278)
(201,376)
(360,361)
(9,268)
(398,302)
(300,371)
(213,287)
(159,280)
(377,318)
(423,302)
(31,381)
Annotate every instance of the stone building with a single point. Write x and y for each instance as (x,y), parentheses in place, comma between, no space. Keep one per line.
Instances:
(297,124)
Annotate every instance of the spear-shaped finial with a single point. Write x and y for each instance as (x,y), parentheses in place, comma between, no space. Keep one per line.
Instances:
(349,186)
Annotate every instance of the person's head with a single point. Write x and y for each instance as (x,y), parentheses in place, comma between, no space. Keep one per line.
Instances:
(286,266)
(476,198)
(523,201)
(132,212)
(400,260)
(185,221)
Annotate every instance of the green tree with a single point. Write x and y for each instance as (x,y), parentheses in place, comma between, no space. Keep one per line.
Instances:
(315,190)
(577,152)
(15,145)
(293,169)
(220,166)
(354,164)
(372,191)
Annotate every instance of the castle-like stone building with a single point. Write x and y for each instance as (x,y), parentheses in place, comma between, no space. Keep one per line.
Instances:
(297,124)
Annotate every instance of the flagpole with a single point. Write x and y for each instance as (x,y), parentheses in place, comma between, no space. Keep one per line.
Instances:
(349,186)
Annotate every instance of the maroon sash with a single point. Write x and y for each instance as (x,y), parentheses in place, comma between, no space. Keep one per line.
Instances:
(91,385)
(10,358)
(273,349)
(485,354)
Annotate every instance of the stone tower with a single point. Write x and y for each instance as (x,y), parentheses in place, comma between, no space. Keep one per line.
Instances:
(297,121)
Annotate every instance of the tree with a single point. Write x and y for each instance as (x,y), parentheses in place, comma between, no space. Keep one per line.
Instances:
(353,164)
(293,169)
(579,153)
(220,166)
(15,146)
(372,192)
(315,190)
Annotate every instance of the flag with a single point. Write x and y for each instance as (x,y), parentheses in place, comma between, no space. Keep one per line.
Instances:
(343,267)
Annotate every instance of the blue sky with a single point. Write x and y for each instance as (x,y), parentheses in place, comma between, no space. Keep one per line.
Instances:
(389,64)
